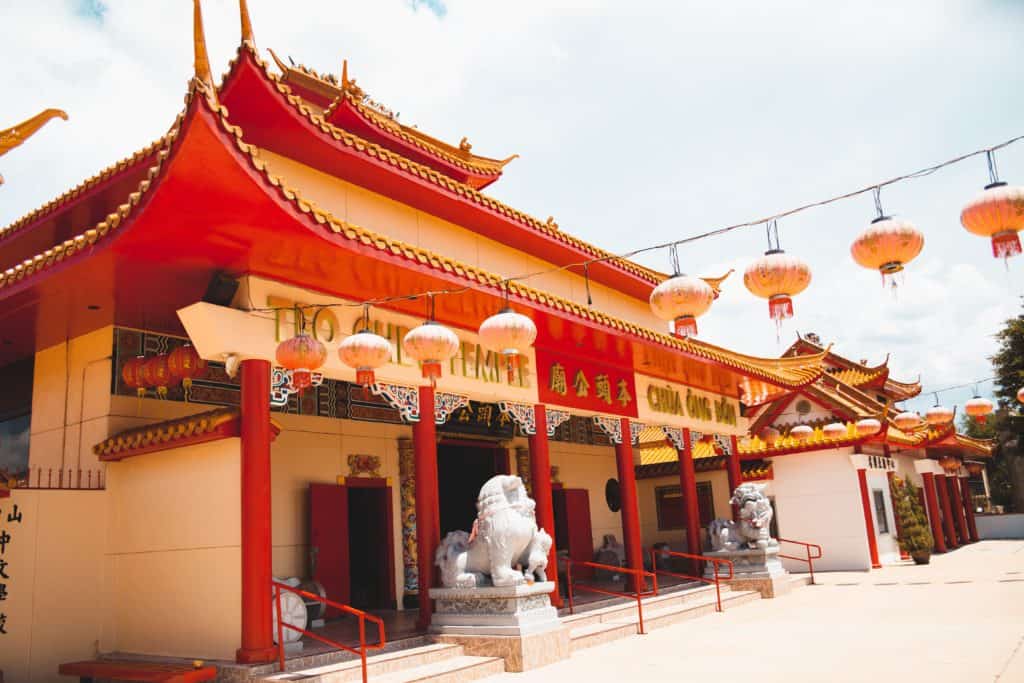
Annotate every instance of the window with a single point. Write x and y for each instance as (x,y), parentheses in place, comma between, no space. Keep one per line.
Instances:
(15,419)
(881,519)
(671,514)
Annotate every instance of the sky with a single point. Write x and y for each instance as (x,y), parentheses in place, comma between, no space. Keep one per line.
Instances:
(636,124)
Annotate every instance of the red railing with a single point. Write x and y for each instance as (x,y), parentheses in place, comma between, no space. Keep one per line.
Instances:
(363,616)
(641,578)
(655,552)
(809,559)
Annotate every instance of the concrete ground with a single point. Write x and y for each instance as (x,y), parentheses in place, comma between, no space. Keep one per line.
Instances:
(961,618)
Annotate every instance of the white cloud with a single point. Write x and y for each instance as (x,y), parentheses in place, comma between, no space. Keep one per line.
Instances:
(636,123)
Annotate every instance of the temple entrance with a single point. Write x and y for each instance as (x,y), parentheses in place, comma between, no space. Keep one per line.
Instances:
(350,537)
(462,468)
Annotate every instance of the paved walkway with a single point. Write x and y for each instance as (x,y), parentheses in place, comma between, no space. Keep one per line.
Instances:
(960,618)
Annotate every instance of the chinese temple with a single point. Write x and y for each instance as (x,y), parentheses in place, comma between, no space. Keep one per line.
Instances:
(171,467)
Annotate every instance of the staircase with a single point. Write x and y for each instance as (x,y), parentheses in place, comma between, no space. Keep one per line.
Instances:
(619,620)
(438,662)
(417,659)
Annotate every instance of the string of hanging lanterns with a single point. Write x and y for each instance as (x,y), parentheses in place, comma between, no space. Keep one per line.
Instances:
(887,245)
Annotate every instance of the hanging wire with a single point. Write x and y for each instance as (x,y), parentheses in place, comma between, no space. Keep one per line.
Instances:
(675,244)
(878,201)
(993,169)
(771,228)
(586,283)
(673,254)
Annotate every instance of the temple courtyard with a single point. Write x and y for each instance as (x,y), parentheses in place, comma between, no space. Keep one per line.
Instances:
(961,618)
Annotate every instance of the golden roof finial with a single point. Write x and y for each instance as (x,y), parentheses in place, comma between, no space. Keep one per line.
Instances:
(202,61)
(344,74)
(716,282)
(15,135)
(247,37)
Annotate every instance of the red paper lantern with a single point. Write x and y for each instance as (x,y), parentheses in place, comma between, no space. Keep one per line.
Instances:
(365,351)
(1020,395)
(868,426)
(907,421)
(979,408)
(184,364)
(950,463)
(801,433)
(432,344)
(131,375)
(302,355)
(834,431)
(997,213)
(155,373)
(770,435)
(681,300)
(886,246)
(938,416)
(509,333)
(778,277)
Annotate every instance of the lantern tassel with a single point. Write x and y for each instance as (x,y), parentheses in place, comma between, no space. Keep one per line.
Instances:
(1006,244)
(186,387)
(685,326)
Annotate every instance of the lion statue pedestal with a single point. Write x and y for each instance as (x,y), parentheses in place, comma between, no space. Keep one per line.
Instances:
(495,600)
(749,545)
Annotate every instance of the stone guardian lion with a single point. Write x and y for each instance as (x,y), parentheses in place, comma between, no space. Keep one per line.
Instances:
(505,539)
(752,531)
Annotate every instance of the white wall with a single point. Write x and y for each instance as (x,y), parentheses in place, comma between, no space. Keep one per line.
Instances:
(817,498)
(1000,526)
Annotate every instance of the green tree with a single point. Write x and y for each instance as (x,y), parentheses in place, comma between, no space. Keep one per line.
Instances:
(1006,471)
(914,534)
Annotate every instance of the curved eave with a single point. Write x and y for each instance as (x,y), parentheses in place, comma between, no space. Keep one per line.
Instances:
(902,391)
(278,120)
(221,208)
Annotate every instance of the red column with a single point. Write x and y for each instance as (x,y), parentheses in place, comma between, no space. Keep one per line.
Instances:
(934,516)
(957,504)
(947,511)
(428,516)
(630,512)
(257,630)
(732,466)
(540,476)
(972,527)
(869,521)
(688,487)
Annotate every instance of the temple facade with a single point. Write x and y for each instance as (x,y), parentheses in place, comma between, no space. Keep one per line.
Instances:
(152,515)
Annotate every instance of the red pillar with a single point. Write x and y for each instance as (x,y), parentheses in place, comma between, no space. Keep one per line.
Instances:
(732,466)
(947,511)
(869,521)
(257,629)
(972,527)
(428,515)
(934,516)
(630,512)
(958,509)
(540,476)
(688,487)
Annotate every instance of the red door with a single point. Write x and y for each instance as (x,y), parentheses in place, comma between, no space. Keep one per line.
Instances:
(572,525)
(328,540)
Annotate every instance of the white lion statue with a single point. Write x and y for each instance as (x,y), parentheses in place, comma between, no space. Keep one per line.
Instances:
(505,547)
(752,532)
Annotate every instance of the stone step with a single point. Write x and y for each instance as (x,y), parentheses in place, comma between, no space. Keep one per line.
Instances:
(623,608)
(453,670)
(592,634)
(376,665)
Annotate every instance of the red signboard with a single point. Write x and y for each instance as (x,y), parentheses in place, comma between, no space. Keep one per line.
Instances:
(585,384)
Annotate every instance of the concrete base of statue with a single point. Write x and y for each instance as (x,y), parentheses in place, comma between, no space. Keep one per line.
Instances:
(758,569)
(517,623)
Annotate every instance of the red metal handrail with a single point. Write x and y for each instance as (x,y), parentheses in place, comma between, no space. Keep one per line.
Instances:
(700,558)
(809,559)
(641,575)
(363,616)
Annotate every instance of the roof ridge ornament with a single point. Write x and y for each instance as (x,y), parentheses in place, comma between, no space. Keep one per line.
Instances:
(247,35)
(203,75)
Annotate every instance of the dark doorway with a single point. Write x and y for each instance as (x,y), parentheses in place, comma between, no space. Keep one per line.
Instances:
(369,538)
(462,470)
